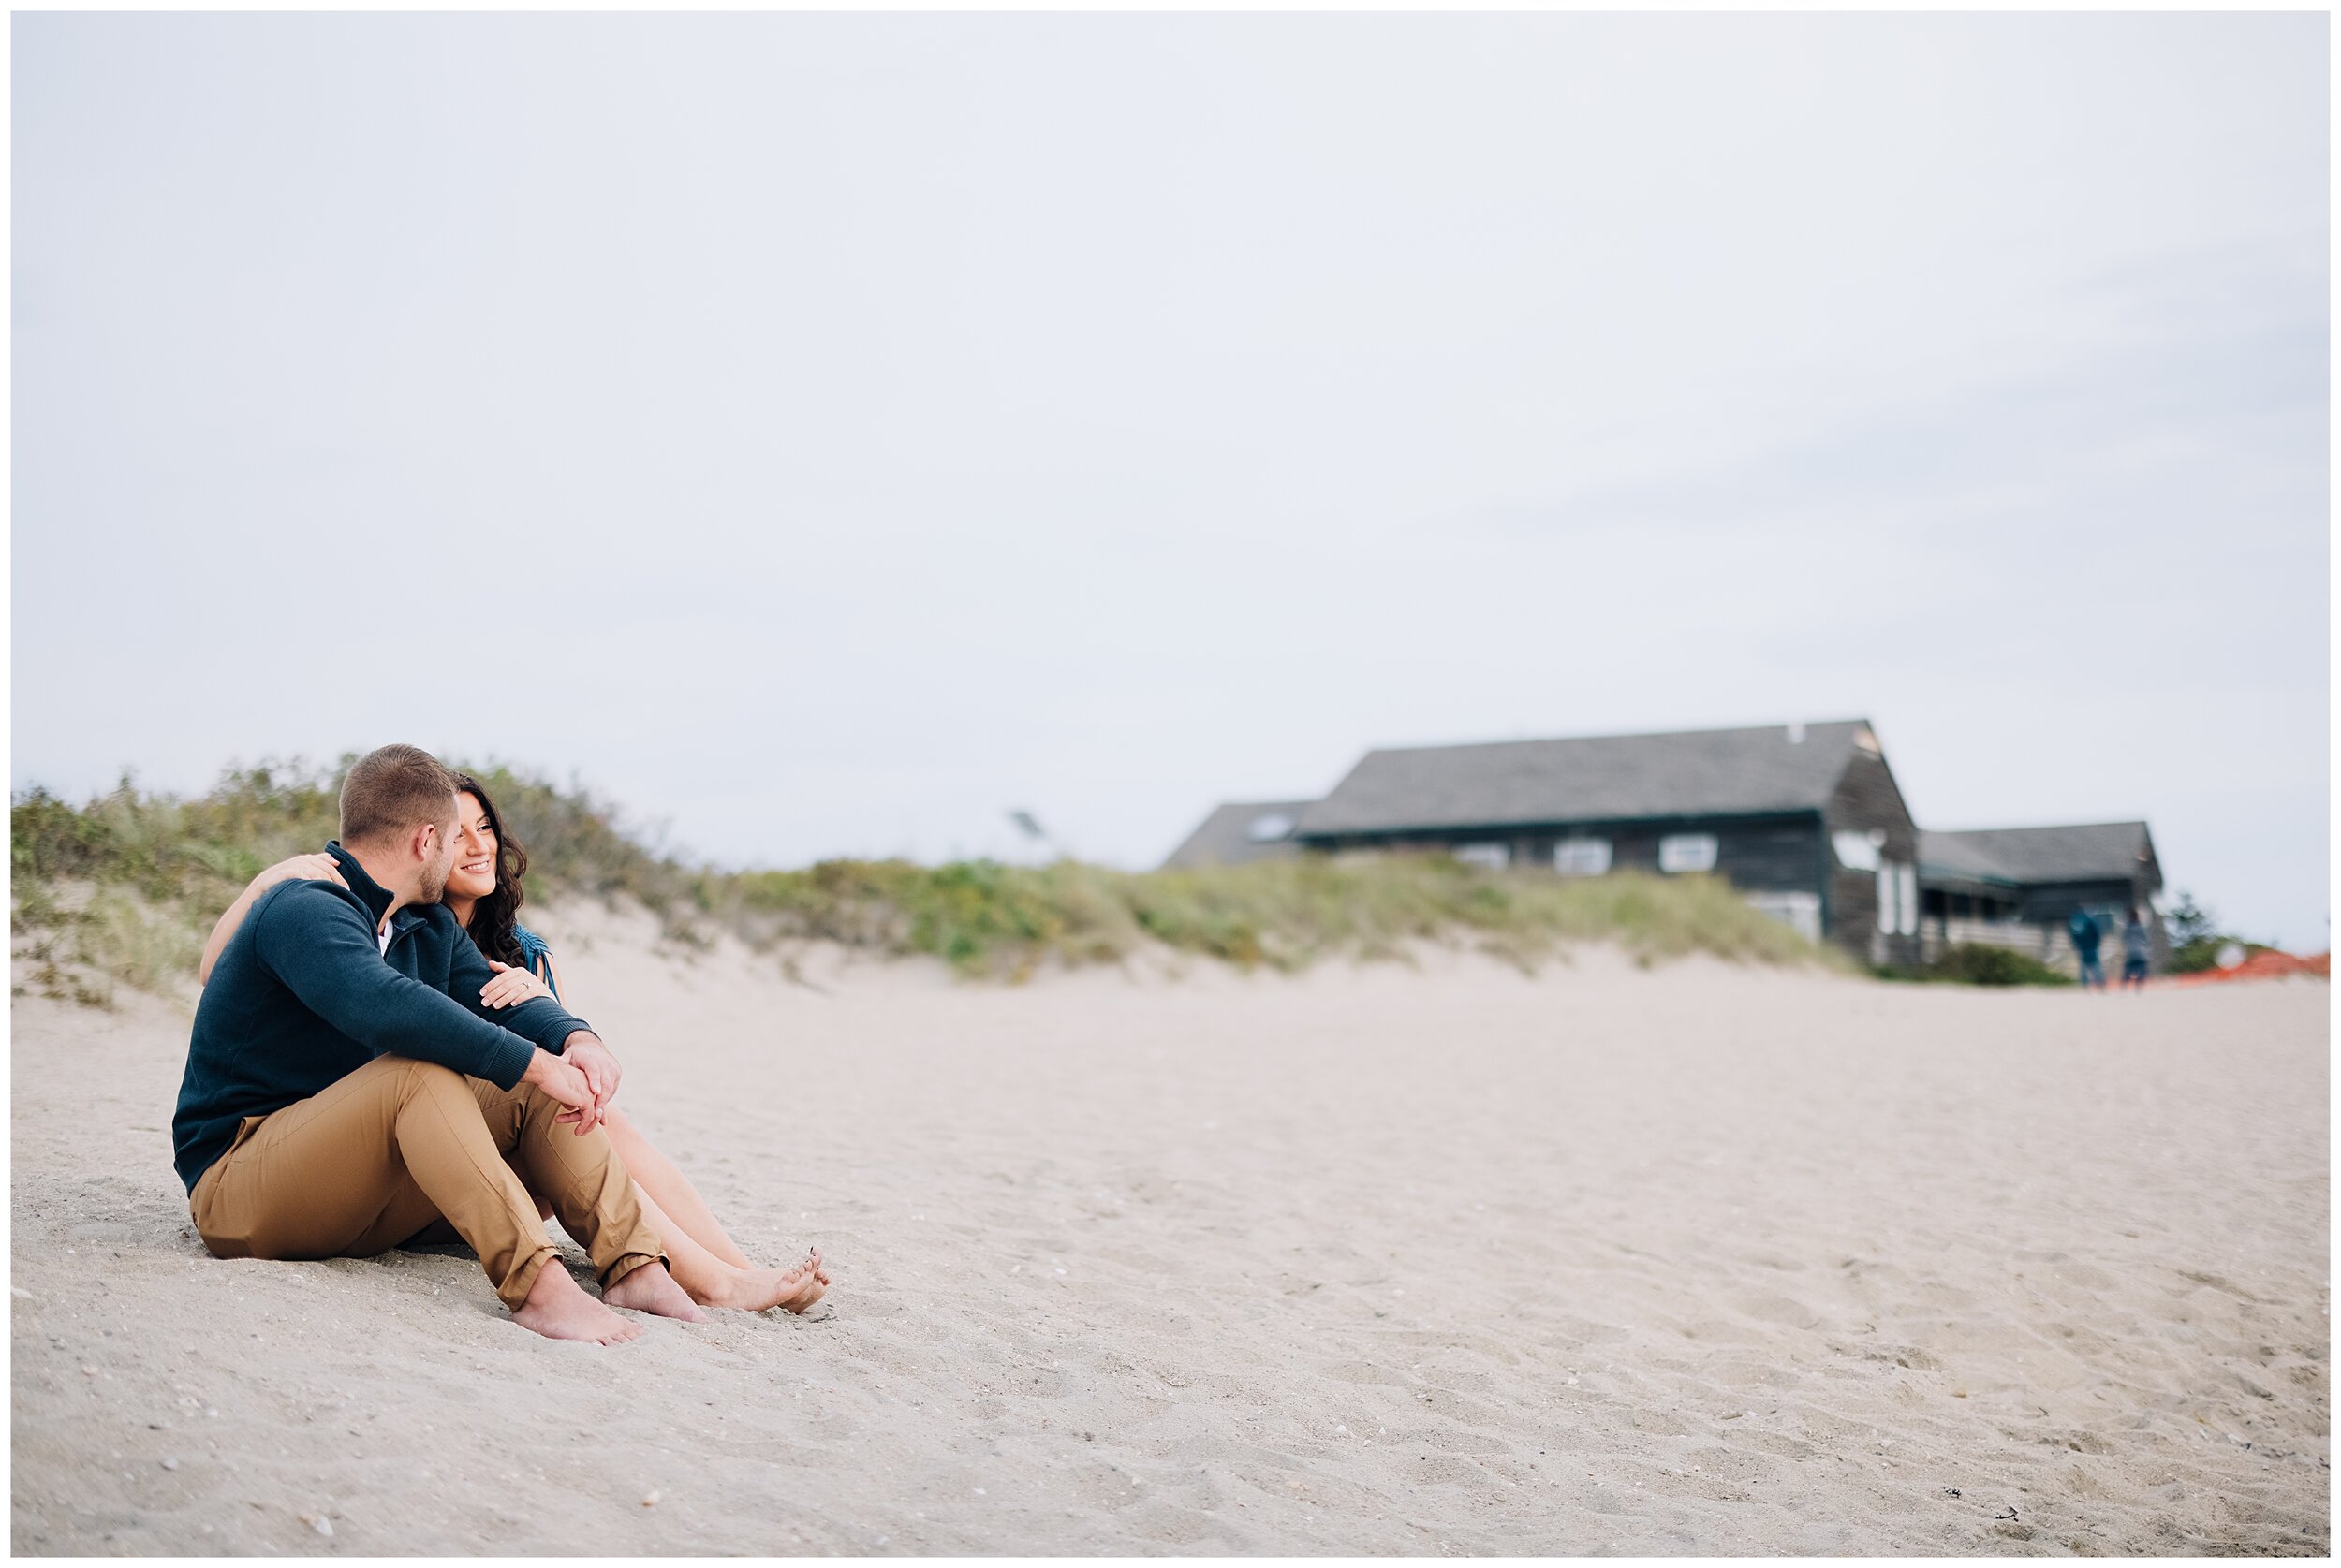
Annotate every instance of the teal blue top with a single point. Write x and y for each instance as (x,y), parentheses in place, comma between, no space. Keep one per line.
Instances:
(535,956)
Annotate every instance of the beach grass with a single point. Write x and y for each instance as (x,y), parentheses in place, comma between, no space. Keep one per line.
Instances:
(987,919)
(123,888)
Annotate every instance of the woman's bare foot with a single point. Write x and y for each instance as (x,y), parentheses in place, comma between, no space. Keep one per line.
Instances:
(752,1290)
(814,1282)
(559,1309)
(651,1289)
(820,1282)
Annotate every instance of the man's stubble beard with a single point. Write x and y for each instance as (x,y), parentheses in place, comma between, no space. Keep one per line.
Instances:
(433,885)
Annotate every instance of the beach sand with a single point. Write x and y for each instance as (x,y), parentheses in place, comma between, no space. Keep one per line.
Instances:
(1379,1259)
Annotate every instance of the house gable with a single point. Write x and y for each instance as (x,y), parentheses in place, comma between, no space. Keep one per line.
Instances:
(1239,833)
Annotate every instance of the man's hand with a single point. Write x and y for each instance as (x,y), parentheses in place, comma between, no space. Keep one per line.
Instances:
(300,868)
(585,1053)
(560,1081)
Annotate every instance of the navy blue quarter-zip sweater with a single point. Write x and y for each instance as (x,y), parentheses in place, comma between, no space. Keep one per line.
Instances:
(302,997)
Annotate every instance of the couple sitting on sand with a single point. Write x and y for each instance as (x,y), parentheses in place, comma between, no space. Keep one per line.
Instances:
(381,1054)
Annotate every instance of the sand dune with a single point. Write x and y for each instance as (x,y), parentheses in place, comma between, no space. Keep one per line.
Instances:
(1382,1260)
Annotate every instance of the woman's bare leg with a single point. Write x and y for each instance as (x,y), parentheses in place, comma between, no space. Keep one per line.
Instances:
(712,1283)
(688,1213)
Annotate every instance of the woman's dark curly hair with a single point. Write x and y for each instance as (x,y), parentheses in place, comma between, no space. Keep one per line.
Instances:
(493,916)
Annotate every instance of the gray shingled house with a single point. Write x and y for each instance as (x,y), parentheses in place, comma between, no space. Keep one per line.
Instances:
(1805,819)
(2016,886)
(1238,833)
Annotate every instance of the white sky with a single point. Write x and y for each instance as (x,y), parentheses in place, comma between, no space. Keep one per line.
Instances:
(821,433)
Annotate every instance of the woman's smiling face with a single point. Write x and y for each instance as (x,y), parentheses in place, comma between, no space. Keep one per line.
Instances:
(474,873)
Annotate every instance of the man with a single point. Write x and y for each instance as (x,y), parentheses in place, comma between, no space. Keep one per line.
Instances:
(2086,933)
(346,1088)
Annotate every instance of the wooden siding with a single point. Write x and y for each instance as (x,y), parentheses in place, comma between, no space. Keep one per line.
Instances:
(1939,932)
(2050,904)
(1779,855)
(1868,797)
(1759,855)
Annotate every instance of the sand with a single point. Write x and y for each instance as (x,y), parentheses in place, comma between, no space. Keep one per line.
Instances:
(1441,1259)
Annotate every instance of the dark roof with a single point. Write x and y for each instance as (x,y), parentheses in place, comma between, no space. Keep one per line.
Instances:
(1225,837)
(2082,852)
(1609,778)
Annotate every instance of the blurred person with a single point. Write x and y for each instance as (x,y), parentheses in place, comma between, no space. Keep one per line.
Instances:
(483,892)
(2085,932)
(345,1087)
(2137,951)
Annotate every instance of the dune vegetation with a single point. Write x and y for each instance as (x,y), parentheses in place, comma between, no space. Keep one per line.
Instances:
(121,890)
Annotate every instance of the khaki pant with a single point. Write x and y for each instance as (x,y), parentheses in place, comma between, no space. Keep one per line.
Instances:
(364,1166)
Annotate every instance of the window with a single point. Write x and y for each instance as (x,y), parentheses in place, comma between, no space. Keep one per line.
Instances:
(1495,856)
(1686,852)
(1272,826)
(1897,898)
(1581,856)
(1856,850)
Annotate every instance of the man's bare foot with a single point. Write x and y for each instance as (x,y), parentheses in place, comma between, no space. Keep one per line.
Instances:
(752,1290)
(651,1289)
(559,1309)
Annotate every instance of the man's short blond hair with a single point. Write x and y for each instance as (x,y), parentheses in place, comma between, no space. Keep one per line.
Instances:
(393,788)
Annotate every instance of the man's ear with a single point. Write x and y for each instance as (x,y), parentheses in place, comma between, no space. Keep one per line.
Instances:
(418,842)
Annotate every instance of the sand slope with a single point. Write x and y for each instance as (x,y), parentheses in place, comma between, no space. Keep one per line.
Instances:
(1382,1260)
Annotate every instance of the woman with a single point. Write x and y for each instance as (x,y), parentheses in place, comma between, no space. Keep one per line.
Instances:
(483,891)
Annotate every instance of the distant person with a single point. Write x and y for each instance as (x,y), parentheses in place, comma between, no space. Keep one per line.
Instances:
(483,892)
(2082,928)
(345,1087)
(2137,948)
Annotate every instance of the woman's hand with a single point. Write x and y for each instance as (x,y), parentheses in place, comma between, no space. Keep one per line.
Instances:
(511,986)
(300,868)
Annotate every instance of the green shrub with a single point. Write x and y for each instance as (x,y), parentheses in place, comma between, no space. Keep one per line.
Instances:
(2193,957)
(2196,939)
(1977,964)
(2203,953)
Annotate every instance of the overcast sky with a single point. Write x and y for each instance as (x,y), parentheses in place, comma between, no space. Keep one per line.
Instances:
(822,433)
